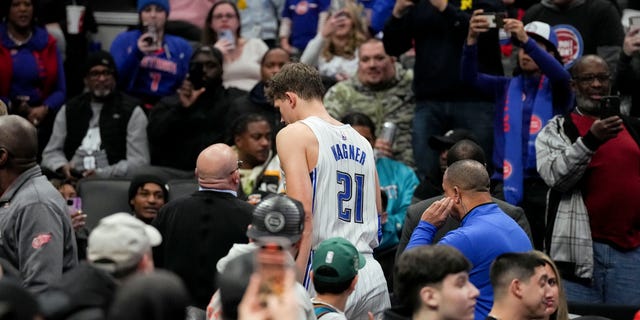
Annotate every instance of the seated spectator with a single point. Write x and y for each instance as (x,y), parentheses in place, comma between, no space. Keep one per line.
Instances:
(236,267)
(78,217)
(431,185)
(150,63)
(398,183)
(382,91)
(101,132)
(301,21)
(160,295)
(256,101)
(183,125)
(485,230)
(335,273)
(628,75)
(32,81)
(524,104)
(463,149)
(556,303)
(119,248)
(147,194)
(521,286)
(432,282)
(241,56)
(334,50)
(260,169)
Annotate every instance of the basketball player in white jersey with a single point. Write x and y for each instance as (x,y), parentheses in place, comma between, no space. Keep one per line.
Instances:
(330,168)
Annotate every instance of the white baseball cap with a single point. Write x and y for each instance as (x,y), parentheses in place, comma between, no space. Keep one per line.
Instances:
(120,241)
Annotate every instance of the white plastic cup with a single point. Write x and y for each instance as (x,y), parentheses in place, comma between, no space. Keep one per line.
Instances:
(75,18)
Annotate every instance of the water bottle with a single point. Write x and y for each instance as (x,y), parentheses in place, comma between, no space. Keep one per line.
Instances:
(387,133)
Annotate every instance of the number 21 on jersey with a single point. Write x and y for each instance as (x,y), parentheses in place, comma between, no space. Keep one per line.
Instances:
(350,197)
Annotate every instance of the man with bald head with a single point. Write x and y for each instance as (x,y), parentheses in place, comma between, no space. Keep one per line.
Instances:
(485,230)
(36,235)
(200,229)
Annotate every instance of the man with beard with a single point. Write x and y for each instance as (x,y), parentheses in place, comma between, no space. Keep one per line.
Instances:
(183,125)
(260,169)
(589,159)
(100,132)
(382,91)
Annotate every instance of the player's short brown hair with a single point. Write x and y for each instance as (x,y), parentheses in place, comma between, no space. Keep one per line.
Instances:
(298,78)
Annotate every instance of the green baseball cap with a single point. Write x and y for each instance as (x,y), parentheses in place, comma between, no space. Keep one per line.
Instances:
(336,260)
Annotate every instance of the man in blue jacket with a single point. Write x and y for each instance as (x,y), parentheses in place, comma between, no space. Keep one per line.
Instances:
(485,230)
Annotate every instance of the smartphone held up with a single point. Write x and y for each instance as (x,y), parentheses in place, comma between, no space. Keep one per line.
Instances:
(495,19)
(272,261)
(609,106)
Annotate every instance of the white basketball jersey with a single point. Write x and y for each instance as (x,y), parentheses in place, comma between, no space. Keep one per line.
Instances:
(344,186)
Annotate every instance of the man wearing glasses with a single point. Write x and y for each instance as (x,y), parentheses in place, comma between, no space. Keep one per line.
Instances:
(101,132)
(589,159)
(200,229)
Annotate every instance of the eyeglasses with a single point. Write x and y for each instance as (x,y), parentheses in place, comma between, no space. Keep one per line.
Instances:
(95,74)
(238,168)
(589,78)
(224,16)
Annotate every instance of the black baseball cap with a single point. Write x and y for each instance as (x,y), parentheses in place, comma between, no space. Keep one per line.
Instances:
(277,215)
(451,137)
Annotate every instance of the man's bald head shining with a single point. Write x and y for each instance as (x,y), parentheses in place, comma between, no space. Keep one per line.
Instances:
(216,166)
(18,143)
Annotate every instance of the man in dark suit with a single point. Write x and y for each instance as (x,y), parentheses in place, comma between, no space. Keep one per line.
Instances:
(200,229)
(464,149)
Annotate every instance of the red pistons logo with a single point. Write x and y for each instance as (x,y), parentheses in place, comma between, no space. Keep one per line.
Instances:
(506,169)
(536,125)
(40,240)
(302,7)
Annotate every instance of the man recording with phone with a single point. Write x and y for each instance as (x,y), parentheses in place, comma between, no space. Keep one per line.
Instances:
(182,125)
(589,158)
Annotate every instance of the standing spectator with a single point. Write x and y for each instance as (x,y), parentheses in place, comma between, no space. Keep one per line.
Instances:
(150,63)
(433,283)
(200,229)
(382,91)
(463,150)
(628,70)
(32,81)
(593,232)
(334,51)
(524,104)
(301,21)
(183,125)
(241,56)
(587,27)
(437,29)
(253,141)
(521,286)
(485,230)
(260,19)
(36,229)
(101,132)
(147,194)
(330,168)
(256,101)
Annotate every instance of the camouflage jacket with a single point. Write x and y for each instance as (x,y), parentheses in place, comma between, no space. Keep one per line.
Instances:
(395,103)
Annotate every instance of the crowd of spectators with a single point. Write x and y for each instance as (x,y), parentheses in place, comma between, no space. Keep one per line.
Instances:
(494,165)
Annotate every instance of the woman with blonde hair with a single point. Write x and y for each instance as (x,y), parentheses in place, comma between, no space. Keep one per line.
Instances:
(334,50)
(556,308)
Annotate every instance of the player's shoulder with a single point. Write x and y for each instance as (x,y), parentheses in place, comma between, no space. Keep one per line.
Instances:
(296,131)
